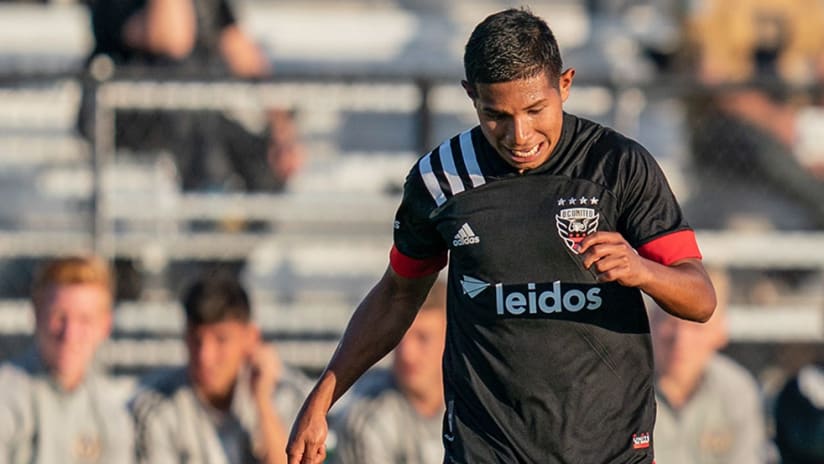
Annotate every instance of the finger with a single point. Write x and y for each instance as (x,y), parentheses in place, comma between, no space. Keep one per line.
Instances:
(612,270)
(295,453)
(322,454)
(597,238)
(313,456)
(602,251)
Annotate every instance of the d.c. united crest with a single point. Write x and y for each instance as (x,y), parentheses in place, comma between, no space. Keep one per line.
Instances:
(576,223)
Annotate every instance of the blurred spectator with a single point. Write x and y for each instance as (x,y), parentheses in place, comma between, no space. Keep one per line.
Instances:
(397,416)
(193,39)
(55,405)
(799,417)
(709,407)
(233,400)
(744,138)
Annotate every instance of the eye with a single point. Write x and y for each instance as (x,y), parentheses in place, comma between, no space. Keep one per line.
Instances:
(535,111)
(492,114)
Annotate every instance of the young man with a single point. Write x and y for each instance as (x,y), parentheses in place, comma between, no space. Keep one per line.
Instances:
(553,226)
(709,407)
(231,401)
(396,416)
(55,406)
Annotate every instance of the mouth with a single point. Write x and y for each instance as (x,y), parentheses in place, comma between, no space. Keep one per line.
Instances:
(527,154)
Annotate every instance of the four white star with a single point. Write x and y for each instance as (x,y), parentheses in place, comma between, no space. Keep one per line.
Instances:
(583,200)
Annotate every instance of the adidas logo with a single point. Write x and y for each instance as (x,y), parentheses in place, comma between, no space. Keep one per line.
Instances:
(465,236)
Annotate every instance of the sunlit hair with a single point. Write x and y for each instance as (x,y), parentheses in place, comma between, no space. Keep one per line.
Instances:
(72,270)
(510,45)
(216,298)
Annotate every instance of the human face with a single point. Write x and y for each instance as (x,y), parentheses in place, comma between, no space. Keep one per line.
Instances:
(522,119)
(683,348)
(71,323)
(417,361)
(216,354)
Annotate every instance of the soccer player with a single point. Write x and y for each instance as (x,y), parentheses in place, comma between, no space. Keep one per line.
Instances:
(553,225)
(398,416)
(56,405)
(233,398)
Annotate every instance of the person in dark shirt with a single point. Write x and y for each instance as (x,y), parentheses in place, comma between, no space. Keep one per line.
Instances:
(194,39)
(553,225)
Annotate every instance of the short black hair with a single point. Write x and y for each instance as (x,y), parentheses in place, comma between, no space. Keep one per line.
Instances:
(510,45)
(216,298)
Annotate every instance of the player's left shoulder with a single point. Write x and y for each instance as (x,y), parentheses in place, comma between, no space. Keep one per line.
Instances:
(601,142)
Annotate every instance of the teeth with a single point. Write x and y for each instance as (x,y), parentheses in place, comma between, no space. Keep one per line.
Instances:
(525,154)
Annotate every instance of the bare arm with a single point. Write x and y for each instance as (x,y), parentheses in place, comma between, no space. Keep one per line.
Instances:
(375,328)
(266,371)
(683,288)
(165,27)
(243,55)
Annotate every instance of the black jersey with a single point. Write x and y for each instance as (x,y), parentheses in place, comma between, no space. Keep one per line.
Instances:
(542,362)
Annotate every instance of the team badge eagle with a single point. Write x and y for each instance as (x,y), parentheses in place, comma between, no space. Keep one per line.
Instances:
(576,223)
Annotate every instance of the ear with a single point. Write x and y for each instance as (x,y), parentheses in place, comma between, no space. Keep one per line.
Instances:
(565,83)
(470,89)
(104,329)
(253,337)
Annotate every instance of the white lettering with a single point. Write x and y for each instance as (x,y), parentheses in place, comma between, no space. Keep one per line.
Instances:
(576,306)
(555,307)
(499,298)
(466,241)
(515,303)
(549,301)
(594,298)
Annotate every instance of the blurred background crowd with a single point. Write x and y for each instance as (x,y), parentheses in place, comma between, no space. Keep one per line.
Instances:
(269,140)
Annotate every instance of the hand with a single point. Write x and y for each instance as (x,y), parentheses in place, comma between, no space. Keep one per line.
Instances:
(266,368)
(285,153)
(307,442)
(614,260)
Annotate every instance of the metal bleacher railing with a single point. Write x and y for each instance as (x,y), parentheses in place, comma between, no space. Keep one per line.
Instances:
(327,243)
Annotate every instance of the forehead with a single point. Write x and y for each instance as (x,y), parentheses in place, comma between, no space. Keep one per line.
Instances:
(78,298)
(229,326)
(518,93)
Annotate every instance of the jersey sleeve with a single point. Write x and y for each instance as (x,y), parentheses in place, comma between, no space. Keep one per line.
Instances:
(650,217)
(418,248)
(226,17)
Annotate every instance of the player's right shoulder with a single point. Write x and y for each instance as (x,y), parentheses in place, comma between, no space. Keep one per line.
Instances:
(451,168)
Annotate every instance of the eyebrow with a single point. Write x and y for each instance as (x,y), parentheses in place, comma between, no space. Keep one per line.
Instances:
(492,109)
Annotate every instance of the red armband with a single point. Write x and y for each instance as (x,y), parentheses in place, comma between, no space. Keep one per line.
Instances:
(671,248)
(412,268)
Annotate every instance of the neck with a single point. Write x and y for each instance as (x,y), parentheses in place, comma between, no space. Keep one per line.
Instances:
(426,404)
(221,402)
(678,391)
(68,382)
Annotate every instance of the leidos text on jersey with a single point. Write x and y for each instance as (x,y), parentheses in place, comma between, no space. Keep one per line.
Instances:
(553,300)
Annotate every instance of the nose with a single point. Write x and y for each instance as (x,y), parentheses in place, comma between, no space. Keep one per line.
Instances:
(70,330)
(518,131)
(405,351)
(203,353)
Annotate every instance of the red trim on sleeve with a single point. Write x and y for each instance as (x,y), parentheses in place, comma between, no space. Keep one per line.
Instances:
(671,248)
(412,268)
